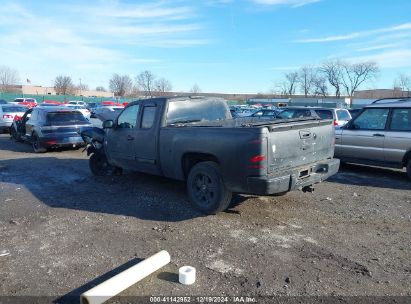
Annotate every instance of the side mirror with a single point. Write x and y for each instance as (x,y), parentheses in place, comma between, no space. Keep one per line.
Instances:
(108,124)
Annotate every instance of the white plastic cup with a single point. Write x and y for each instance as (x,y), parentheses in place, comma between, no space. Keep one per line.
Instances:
(187,275)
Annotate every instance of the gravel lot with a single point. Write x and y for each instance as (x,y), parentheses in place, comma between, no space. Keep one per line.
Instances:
(63,230)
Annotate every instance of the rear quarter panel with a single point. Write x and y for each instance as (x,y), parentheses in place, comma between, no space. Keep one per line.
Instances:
(233,147)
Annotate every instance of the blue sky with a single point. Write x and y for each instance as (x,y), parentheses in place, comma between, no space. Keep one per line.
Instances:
(242,46)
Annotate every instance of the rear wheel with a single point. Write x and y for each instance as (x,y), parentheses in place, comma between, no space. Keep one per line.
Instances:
(409,168)
(206,189)
(37,147)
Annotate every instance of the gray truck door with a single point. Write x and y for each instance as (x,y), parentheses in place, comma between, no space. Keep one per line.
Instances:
(145,145)
(366,139)
(121,137)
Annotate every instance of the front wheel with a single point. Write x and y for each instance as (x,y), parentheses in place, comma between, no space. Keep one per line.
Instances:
(99,165)
(206,189)
(14,134)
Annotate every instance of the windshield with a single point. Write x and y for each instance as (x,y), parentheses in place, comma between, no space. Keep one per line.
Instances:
(13,109)
(196,110)
(66,117)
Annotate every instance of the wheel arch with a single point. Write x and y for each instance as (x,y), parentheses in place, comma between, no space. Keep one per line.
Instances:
(190,159)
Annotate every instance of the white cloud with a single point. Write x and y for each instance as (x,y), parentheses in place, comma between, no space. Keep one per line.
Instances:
(361,34)
(93,39)
(292,3)
(400,58)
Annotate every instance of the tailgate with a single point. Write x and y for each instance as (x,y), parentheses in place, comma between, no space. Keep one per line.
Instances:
(298,143)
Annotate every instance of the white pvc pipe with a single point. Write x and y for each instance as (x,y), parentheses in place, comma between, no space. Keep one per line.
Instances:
(125,279)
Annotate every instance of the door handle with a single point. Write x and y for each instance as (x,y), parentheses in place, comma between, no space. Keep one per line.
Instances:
(378,135)
(129,137)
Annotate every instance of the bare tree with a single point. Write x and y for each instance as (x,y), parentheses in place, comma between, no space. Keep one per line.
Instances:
(100,89)
(83,87)
(290,83)
(403,82)
(356,74)
(306,76)
(145,82)
(333,72)
(120,85)
(195,89)
(163,85)
(64,85)
(8,77)
(320,87)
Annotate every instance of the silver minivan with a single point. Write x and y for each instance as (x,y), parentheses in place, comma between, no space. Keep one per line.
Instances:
(379,135)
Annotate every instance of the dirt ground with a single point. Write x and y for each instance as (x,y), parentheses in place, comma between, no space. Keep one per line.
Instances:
(62,231)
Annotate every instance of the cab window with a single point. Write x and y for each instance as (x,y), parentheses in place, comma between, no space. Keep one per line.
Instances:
(371,119)
(149,114)
(128,118)
(401,120)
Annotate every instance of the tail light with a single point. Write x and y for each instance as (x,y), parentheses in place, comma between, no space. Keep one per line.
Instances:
(7,116)
(255,160)
(16,118)
(335,123)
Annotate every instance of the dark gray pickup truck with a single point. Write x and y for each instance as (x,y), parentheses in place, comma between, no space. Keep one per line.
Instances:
(196,140)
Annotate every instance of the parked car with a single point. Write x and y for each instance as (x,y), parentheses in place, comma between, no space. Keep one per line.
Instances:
(26,100)
(2,101)
(379,135)
(265,114)
(107,112)
(50,127)
(7,114)
(194,139)
(82,109)
(391,100)
(77,103)
(52,102)
(339,116)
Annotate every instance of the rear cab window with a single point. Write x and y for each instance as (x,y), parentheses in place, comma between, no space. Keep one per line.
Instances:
(196,110)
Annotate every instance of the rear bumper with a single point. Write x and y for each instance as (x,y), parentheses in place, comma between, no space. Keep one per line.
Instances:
(317,173)
(62,141)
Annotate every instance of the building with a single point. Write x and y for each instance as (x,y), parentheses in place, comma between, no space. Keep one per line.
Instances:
(381,93)
(40,90)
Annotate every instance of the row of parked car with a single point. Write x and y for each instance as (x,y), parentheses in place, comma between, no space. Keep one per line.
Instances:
(338,115)
(380,134)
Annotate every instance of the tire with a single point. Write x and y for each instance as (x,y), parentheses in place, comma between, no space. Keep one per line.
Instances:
(409,169)
(206,189)
(37,147)
(99,166)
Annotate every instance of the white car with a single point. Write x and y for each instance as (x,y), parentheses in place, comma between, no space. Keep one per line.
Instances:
(77,103)
(86,113)
(8,113)
(107,112)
